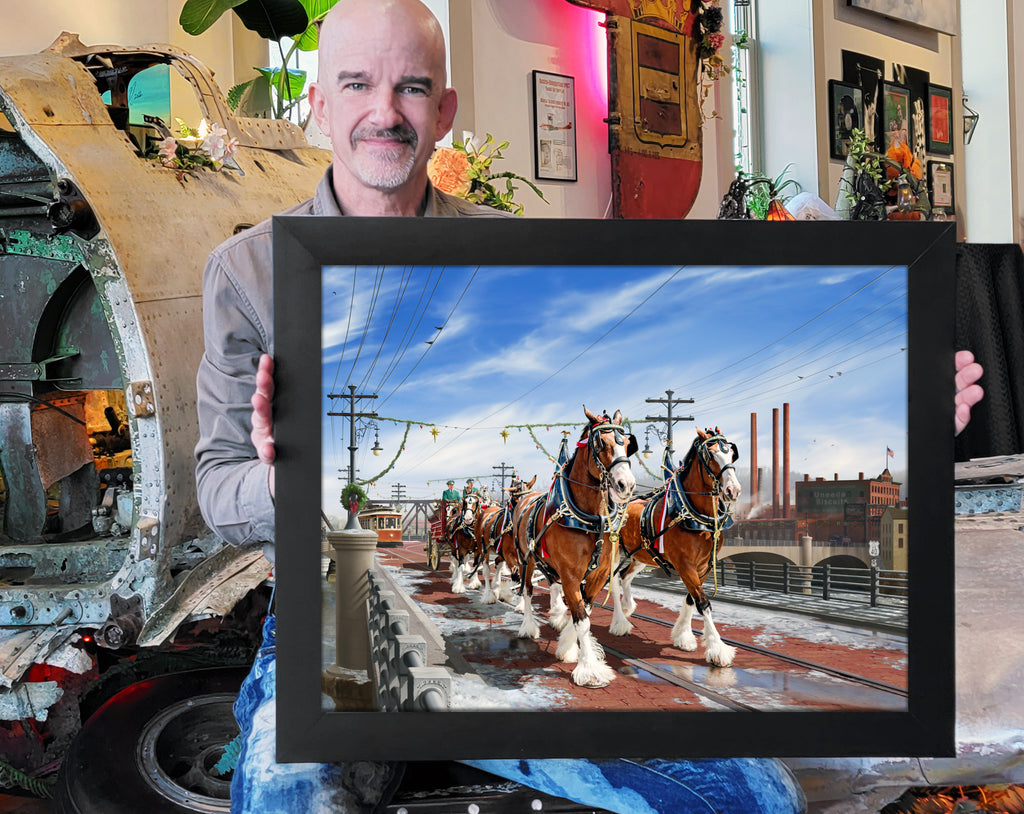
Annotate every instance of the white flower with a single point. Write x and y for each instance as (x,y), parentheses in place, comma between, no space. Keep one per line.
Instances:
(168,148)
(218,146)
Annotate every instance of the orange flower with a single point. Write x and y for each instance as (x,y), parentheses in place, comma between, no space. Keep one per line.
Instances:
(777,211)
(904,155)
(448,170)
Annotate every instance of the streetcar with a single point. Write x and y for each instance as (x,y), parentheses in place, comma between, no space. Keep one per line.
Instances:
(386,522)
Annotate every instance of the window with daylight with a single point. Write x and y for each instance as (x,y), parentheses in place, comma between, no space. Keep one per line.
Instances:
(746,136)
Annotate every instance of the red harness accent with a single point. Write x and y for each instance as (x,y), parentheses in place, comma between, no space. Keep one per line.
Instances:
(543,523)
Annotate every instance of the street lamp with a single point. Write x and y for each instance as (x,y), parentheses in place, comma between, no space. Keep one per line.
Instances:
(376,448)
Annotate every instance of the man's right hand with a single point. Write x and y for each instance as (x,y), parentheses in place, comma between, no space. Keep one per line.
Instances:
(262,419)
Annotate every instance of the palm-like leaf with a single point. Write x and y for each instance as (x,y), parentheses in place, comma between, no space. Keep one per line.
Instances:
(198,15)
(316,10)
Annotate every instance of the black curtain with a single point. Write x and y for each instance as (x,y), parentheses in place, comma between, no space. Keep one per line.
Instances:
(990,324)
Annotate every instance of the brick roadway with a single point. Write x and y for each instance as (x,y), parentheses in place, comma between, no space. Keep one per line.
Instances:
(488,643)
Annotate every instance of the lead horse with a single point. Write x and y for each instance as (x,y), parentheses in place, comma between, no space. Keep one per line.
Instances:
(461,539)
(679,527)
(563,534)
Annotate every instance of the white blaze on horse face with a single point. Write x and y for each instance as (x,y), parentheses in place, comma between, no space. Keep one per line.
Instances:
(620,477)
(730,483)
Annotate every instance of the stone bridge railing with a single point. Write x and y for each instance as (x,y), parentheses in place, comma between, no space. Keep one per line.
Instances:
(403,679)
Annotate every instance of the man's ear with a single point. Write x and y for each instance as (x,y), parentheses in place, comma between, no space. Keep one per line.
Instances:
(318,107)
(446,110)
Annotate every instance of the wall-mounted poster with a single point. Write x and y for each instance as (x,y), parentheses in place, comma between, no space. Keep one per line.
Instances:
(939,115)
(554,112)
(895,115)
(846,111)
(937,14)
(868,72)
(916,82)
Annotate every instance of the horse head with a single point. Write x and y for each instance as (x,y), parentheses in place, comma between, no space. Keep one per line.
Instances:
(470,504)
(717,457)
(517,488)
(609,447)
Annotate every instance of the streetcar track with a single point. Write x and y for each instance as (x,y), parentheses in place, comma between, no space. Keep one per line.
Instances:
(669,677)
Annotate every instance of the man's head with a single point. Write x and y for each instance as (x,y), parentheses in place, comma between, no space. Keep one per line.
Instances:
(451,483)
(382,98)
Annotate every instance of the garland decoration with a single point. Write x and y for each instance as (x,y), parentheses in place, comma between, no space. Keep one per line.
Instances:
(390,466)
(10,777)
(353,491)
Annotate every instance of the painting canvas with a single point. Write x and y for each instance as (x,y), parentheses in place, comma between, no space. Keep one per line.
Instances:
(938,119)
(485,342)
(936,14)
(896,118)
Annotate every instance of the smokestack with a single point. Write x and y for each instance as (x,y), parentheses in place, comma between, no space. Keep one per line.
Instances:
(775,462)
(785,459)
(754,485)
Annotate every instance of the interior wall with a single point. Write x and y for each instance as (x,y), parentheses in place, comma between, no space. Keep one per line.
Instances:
(852,29)
(495,47)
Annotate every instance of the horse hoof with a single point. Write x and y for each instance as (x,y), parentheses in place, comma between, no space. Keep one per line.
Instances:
(596,684)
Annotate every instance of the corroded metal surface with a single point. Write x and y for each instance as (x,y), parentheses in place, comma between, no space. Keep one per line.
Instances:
(101,258)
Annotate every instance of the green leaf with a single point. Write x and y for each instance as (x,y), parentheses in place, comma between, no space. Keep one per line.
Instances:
(272,19)
(316,10)
(252,98)
(296,82)
(198,15)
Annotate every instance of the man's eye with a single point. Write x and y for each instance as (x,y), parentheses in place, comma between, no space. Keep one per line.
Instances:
(414,90)
(354,86)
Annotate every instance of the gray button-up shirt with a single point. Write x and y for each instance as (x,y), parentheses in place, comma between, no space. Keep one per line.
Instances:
(238,324)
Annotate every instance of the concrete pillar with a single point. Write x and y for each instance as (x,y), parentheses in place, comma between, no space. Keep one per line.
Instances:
(348,680)
(806,561)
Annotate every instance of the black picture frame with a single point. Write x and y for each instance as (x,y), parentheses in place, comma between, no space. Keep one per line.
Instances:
(939,119)
(941,192)
(845,112)
(303,246)
(554,127)
(916,81)
(868,72)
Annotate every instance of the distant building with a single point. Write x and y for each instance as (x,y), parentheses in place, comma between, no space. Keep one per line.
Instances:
(894,535)
(840,510)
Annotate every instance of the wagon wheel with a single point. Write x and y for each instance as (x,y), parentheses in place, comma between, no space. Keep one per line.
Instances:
(433,555)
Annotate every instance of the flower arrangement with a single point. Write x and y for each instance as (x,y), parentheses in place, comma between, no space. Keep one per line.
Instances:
(465,170)
(208,147)
(707,33)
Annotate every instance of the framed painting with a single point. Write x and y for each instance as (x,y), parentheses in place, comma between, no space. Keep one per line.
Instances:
(938,119)
(939,15)
(470,379)
(896,119)
(846,112)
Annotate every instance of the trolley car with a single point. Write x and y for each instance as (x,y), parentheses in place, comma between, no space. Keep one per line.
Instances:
(386,522)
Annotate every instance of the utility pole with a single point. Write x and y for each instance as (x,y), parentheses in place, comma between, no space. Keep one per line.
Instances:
(397,493)
(352,416)
(501,474)
(669,403)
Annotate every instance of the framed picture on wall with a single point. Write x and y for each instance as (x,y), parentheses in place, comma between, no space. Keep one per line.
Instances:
(867,72)
(940,187)
(896,121)
(554,117)
(846,111)
(938,116)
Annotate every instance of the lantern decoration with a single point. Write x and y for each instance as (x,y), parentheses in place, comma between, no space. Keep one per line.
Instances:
(776,211)
(504,436)
(435,432)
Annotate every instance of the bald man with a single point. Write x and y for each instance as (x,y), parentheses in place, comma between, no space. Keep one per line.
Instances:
(382,98)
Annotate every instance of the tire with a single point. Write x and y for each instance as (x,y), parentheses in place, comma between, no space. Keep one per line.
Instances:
(433,555)
(152,748)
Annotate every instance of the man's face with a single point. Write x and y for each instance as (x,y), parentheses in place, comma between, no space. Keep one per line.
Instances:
(383,103)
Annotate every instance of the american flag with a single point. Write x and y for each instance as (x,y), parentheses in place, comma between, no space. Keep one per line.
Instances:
(889,453)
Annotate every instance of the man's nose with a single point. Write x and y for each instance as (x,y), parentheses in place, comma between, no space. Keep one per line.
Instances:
(385,113)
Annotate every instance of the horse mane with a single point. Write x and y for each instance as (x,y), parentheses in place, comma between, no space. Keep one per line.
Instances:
(690,455)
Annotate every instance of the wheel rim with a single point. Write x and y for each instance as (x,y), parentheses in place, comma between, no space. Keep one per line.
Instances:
(180,746)
(433,556)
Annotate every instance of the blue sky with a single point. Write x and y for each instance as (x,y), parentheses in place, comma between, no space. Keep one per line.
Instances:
(474,350)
